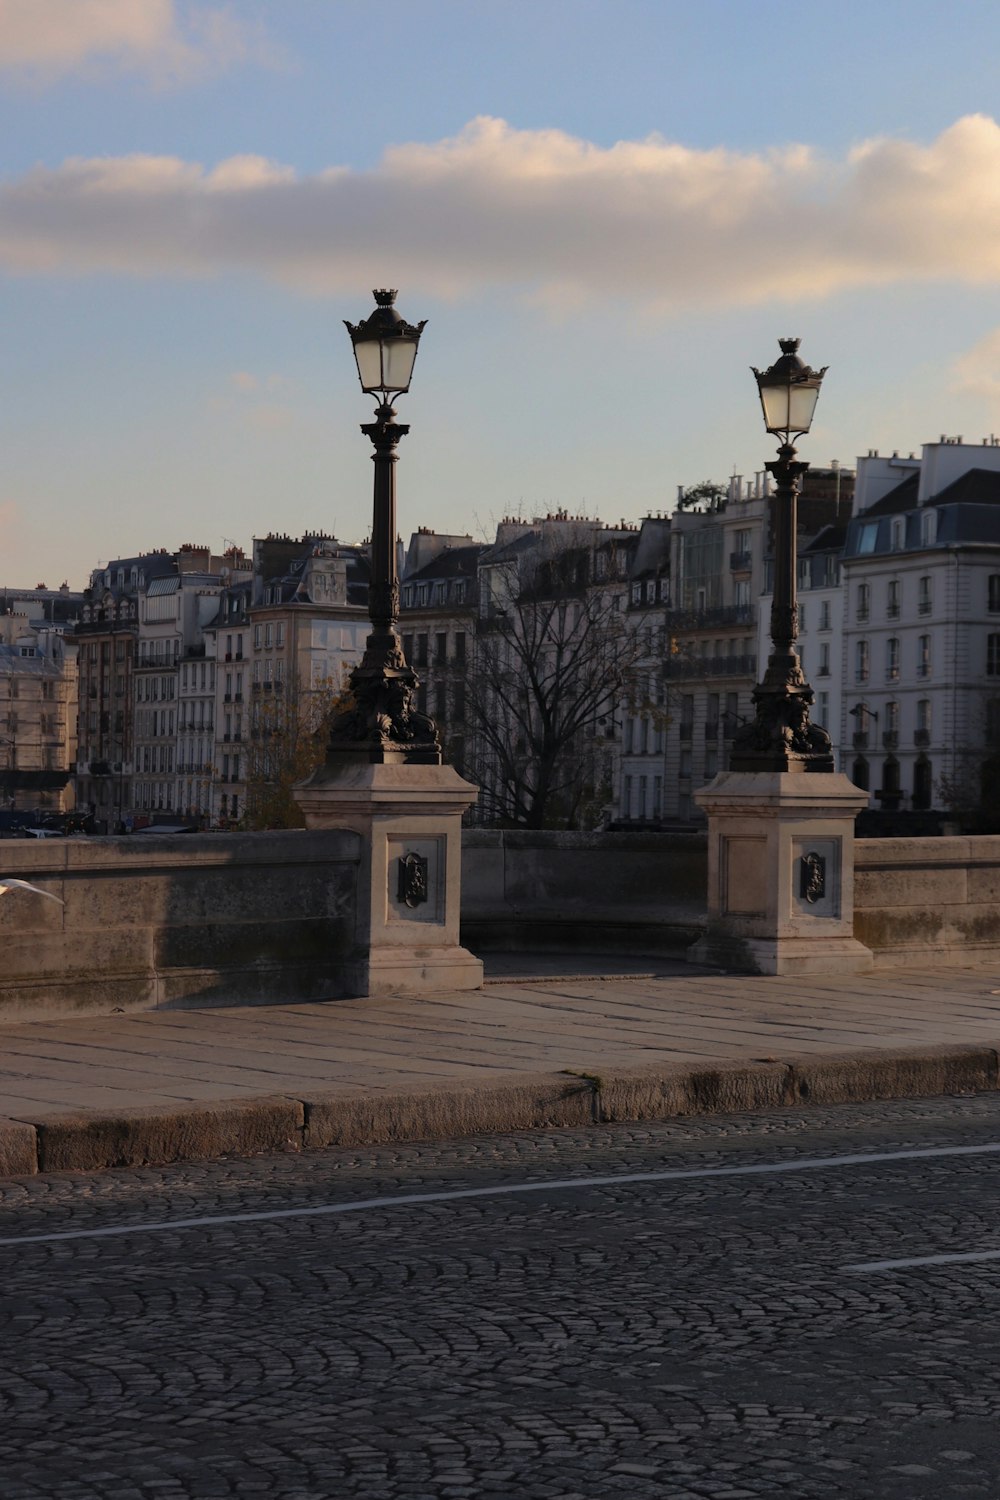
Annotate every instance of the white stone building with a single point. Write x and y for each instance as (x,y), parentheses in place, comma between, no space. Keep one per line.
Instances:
(921,656)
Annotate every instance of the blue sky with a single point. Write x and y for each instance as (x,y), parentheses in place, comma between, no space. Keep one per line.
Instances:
(607,210)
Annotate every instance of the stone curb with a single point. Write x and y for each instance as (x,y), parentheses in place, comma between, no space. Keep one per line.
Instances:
(89,1142)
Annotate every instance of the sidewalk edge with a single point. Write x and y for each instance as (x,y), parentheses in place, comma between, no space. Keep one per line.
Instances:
(572,1098)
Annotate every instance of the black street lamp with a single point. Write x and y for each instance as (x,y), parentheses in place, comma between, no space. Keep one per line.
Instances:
(382,724)
(780,736)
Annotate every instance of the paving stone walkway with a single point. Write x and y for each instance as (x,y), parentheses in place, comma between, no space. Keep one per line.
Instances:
(650,1013)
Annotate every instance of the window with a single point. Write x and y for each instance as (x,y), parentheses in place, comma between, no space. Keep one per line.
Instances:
(824,614)
(993,655)
(460,646)
(924,655)
(687,716)
(993,721)
(861,662)
(923,782)
(859,773)
(993,594)
(440,648)
(824,659)
(924,596)
(897,532)
(421,651)
(864,601)
(892,659)
(821,716)
(627,798)
(923,732)
(657,796)
(928,528)
(268,635)
(867,537)
(279,633)
(892,599)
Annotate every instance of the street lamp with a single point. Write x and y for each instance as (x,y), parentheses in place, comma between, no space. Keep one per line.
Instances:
(780,736)
(382,724)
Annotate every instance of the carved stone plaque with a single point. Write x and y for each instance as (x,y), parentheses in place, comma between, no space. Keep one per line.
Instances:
(412,887)
(812,877)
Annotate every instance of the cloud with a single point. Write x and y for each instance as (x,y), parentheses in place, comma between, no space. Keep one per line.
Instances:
(977,371)
(553,217)
(45,39)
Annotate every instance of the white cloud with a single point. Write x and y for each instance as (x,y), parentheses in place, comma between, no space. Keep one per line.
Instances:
(977,371)
(556,218)
(46,39)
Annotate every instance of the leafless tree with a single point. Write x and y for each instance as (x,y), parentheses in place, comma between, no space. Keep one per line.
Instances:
(554,657)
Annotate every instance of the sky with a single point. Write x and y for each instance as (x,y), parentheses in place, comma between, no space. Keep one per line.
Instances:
(606,210)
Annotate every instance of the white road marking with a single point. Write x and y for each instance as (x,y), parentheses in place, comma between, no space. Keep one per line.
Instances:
(953,1259)
(453,1195)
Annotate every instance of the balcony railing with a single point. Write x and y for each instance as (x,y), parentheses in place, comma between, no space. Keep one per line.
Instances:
(921,737)
(740,562)
(861,739)
(710,666)
(890,739)
(701,619)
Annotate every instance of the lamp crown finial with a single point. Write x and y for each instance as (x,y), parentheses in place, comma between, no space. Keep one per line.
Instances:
(386,297)
(789,346)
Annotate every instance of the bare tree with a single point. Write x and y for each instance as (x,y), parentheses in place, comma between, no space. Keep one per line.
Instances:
(288,735)
(554,655)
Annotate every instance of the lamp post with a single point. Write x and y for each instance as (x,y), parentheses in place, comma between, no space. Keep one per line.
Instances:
(780,736)
(382,724)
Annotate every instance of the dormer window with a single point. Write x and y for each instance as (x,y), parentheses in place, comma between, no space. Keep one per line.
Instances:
(928,528)
(897,534)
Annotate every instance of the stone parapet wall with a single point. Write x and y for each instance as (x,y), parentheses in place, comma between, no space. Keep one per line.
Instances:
(167,922)
(154,922)
(643,892)
(921,901)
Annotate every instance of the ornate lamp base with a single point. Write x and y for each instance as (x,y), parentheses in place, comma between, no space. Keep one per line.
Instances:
(780,736)
(383,724)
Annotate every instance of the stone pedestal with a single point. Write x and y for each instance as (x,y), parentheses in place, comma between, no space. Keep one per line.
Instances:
(781,873)
(409,885)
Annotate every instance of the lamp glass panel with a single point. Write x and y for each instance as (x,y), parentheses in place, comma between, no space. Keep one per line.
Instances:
(398,356)
(774,399)
(801,405)
(368,354)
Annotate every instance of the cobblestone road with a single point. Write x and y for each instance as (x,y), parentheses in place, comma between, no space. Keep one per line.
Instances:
(679,1338)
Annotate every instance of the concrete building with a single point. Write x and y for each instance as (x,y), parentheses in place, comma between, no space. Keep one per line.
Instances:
(38,699)
(438,624)
(638,726)
(921,654)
